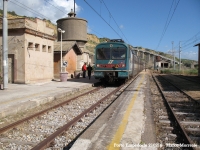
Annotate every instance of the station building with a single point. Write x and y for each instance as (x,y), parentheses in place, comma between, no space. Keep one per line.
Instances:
(34,52)
(30,51)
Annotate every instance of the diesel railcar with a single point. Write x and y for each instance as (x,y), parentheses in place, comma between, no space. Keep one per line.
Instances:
(115,61)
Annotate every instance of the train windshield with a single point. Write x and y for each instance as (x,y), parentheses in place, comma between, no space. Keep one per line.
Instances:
(111,53)
(118,53)
(103,53)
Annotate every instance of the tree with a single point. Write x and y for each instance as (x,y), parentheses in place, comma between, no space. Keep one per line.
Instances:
(12,13)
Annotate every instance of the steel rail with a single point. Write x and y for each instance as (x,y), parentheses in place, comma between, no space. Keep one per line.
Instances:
(186,78)
(42,112)
(46,142)
(188,96)
(185,137)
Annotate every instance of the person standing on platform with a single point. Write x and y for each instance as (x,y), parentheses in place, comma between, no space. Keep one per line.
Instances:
(84,68)
(89,69)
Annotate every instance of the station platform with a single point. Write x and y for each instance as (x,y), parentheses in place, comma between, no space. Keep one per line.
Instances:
(127,124)
(18,97)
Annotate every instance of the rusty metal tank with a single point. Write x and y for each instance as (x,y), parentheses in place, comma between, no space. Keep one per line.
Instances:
(75,29)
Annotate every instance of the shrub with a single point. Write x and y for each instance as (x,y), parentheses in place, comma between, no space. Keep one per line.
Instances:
(184,72)
(191,72)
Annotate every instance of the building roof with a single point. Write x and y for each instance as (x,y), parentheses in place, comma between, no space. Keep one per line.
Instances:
(67,46)
(197,44)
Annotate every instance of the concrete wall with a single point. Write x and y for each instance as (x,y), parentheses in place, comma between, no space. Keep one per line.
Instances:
(28,64)
(16,47)
(39,60)
(71,59)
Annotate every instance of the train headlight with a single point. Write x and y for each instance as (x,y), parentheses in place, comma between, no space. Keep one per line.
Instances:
(98,65)
(123,65)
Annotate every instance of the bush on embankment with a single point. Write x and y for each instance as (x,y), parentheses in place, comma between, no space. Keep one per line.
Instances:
(181,72)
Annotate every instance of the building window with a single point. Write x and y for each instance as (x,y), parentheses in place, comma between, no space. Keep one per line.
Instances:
(44,48)
(37,47)
(30,46)
(49,49)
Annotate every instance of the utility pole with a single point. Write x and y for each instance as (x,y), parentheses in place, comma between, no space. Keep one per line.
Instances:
(173,52)
(5,45)
(179,56)
(74,8)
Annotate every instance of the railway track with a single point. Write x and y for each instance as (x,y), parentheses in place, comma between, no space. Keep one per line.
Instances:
(177,117)
(194,79)
(56,127)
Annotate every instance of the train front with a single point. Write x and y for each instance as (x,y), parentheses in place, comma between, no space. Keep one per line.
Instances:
(111,62)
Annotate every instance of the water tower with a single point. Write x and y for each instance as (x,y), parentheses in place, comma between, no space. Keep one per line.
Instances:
(75,29)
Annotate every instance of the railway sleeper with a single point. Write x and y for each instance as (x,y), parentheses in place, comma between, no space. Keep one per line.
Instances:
(190,123)
(186,110)
(162,113)
(182,105)
(186,113)
(164,131)
(163,117)
(192,118)
(193,129)
(194,134)
(166,122)
(195,139)
(168,128)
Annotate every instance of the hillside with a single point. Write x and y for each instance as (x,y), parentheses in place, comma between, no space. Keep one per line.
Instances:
(93,40)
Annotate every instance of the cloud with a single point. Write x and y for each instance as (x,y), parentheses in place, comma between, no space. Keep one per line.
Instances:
(89,29)
(48,9)
(189,55)
(121,26)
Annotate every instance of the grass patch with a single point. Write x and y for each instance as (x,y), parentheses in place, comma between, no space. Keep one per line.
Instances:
(181,72)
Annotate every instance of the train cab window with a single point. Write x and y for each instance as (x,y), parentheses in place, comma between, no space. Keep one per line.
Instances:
(103,53)
(119,53)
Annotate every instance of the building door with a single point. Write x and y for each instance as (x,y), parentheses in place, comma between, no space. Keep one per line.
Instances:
(10,68)
(57,66)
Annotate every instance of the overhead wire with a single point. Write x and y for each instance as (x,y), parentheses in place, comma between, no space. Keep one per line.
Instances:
(186,44)
(114,20)
(54,6)
(25,7)
(103,19)
(77,20)
(35,12)
(193,40)
(167,23)
(164,29)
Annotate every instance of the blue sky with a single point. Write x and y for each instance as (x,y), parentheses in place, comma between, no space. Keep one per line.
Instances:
(138,22)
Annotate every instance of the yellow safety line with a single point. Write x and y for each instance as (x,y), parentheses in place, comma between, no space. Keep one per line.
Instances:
(118,135)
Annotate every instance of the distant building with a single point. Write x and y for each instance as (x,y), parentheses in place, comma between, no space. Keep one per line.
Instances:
(30,51)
